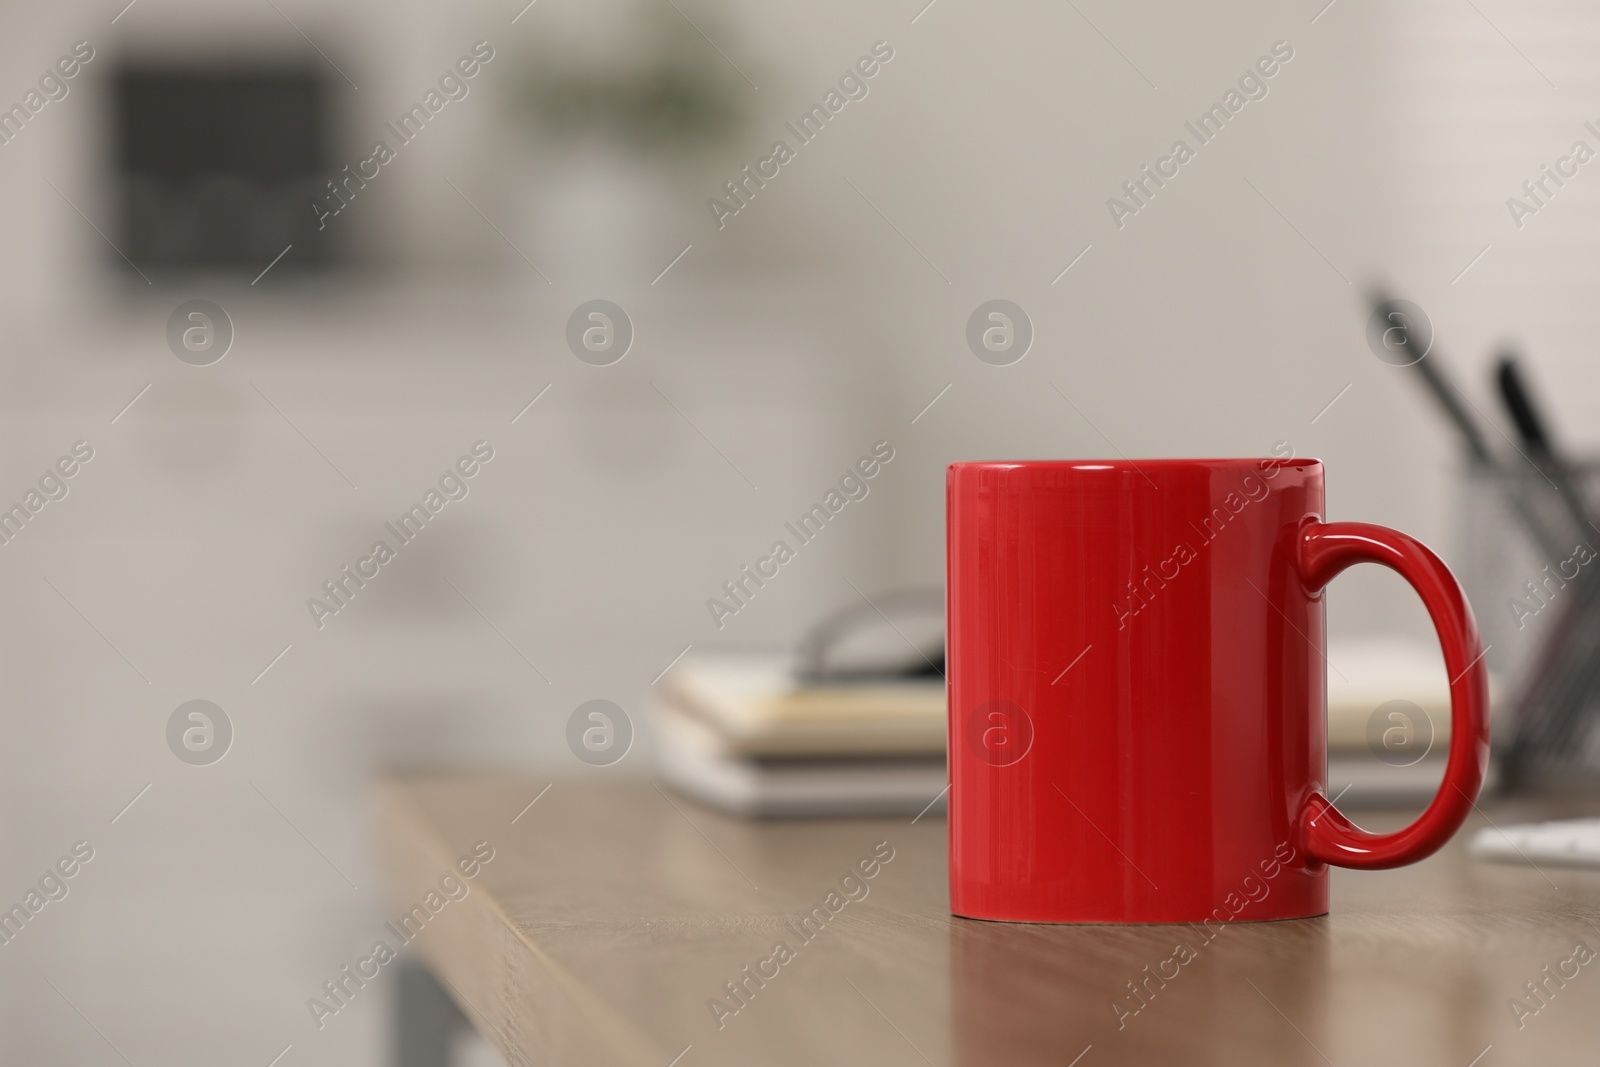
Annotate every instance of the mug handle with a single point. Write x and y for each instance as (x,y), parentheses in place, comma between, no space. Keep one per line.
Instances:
(1326,549)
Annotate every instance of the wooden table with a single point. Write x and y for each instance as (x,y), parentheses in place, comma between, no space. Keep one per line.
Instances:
(605,927)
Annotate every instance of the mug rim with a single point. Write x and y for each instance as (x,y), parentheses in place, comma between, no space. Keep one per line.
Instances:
(1089,466)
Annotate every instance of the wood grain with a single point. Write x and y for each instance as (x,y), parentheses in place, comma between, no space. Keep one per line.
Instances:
(612,915)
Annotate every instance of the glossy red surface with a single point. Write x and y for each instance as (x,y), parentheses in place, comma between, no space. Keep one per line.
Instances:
(1137,691)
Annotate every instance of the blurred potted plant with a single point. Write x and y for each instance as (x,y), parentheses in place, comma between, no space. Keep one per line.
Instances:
(619,131)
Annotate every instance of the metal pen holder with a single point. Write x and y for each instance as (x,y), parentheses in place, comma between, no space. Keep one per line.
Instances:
(1533,576)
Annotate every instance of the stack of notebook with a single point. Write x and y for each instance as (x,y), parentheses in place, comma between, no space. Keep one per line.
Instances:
(749,733)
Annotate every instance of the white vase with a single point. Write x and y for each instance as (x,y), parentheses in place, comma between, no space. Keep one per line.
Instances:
(600,218)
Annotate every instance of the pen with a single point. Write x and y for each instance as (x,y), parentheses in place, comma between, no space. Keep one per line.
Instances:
(1443,392)
(1448,397)
(1537,441)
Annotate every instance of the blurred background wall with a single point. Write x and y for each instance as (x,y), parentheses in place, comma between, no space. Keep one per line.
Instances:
(1227,315)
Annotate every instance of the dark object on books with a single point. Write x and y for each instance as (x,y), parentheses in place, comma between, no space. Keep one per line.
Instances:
(925,660)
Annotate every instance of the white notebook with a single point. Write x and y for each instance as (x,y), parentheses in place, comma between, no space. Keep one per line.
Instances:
(691,759)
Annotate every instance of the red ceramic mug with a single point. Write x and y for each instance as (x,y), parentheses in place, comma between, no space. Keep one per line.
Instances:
(1137,692)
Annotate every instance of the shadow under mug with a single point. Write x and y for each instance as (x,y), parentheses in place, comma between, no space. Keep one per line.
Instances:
(1138,701)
